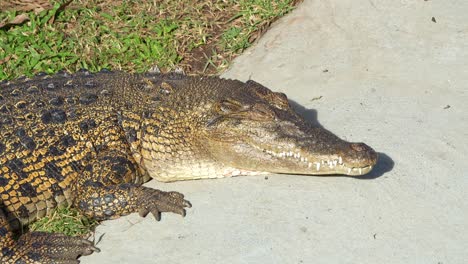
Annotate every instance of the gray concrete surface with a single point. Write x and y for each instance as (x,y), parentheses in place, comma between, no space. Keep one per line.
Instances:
(387,75)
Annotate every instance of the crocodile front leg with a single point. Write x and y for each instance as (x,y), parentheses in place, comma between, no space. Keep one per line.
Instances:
(40,247)
(111,187)
(109,202)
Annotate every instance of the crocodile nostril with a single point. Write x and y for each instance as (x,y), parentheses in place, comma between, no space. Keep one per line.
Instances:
(358,146)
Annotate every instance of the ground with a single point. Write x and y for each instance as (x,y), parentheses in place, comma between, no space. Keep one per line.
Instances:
(393,74)
(198,36)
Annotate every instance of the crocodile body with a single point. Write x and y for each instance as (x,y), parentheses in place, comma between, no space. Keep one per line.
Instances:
(89,140)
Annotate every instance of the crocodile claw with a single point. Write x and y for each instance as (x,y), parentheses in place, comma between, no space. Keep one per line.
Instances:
(156,201)
(42,247)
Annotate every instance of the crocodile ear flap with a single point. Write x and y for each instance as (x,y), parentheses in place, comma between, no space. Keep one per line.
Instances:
(228,106)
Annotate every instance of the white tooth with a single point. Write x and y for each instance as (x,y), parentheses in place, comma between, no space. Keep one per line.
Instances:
(298,155)
(290,154)
(317,164)
(334,163)
(349,170)
(360,171)
(309,165)
(330,164)
(340,160)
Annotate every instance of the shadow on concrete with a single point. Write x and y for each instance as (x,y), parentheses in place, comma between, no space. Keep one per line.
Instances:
(310,115)
(384,164)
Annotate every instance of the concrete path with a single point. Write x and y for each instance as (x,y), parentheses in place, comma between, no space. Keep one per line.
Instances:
(393,74)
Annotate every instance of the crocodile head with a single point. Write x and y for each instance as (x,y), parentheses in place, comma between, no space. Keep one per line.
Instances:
(244,128)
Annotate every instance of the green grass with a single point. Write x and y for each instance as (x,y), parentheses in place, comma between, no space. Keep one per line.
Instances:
(64,220)
(254,17)
(198,36)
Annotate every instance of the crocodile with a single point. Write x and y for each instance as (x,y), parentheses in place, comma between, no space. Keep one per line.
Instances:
(90,140)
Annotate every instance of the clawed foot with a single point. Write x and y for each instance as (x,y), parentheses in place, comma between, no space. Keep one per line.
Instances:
(157,201)
(42,247)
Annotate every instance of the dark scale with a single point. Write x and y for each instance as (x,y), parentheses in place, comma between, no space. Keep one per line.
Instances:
(57,101)
(34,256)
(131,135)
(27,190)
(76,166)
(3,231)
(23,212)
(51,86)
(70,100)
(39,74)
(57,116)
(21,104)
(90,84)
(28,143)
(104,70)
(32,90)
(56,190)
(21,132)
(38,103)
(4,182)
(87,125)
(4,109)
(8,252)
(54,151)
(67,141)
(16,92)
(105,92)
(16,165)
(54,171)
(88,98)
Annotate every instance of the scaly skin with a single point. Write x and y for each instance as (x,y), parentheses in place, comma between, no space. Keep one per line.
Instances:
(90,141)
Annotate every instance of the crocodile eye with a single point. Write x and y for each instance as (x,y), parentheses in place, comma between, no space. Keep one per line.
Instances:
(261,112)
(280,100)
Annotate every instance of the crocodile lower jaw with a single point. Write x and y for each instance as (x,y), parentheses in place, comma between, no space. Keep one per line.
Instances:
(232,172)
(339,169)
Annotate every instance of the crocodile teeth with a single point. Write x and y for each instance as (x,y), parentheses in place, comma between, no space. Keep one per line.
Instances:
(340,160)
(317,164)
